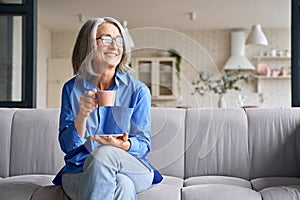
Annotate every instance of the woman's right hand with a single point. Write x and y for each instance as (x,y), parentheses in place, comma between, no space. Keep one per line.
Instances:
(87,104)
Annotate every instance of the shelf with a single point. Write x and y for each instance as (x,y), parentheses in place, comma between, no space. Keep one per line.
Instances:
(272,58)
(273,77)
(164,97)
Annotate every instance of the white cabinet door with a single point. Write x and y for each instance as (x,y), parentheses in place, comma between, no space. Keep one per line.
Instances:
(159,74)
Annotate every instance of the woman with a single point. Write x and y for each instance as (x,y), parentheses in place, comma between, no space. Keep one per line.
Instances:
(97,166)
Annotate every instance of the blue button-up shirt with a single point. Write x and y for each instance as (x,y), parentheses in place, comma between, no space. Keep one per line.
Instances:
(131,113)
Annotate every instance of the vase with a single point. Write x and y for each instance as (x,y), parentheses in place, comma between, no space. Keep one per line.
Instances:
(221,101)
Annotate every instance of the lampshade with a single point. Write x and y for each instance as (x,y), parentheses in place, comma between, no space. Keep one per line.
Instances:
(257,36)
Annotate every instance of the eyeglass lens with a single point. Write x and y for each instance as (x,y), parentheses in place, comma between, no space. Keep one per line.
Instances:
(107,40)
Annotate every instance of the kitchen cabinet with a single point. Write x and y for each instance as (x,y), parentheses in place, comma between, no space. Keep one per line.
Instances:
(159,74)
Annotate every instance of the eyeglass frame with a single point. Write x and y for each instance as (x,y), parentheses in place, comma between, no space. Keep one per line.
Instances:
(112,39)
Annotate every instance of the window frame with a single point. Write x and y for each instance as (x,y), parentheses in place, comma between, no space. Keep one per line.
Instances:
(28,10)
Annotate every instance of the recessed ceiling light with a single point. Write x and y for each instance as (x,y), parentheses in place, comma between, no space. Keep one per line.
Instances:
(193,16)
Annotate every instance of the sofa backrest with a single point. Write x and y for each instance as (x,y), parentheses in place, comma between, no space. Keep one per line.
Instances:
(34,142)
(6,115)
(274,141)
(168,138)
(248,143)
(216,142)
(29,141)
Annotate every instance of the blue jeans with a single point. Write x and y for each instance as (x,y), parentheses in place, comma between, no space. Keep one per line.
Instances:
(109,173)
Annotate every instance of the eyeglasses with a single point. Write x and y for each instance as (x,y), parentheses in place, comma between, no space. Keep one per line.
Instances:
(107,40)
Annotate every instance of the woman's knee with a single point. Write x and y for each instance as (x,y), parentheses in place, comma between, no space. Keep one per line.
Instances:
(105,150)
(124,188)
(104,155)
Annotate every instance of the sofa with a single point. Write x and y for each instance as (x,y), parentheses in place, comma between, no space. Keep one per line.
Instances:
(203,153)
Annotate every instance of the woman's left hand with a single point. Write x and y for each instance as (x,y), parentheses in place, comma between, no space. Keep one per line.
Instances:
(117,141)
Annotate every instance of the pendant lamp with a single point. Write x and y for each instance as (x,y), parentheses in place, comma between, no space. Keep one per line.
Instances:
(257,36)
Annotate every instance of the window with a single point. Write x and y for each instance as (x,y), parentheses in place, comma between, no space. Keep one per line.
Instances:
(18,53)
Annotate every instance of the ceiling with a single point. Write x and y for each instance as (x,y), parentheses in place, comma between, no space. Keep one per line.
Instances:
(63,15)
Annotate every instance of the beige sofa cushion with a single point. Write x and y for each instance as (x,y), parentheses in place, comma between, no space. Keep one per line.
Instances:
(34,140)
(216,143)
(168,132)
(6,115)
(274,138)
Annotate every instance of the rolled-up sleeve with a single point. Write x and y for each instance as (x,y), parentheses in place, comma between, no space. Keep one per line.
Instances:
(68,137)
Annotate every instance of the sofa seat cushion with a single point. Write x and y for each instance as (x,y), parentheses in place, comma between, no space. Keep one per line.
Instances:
(17,190)
(49,193)
(169,188)
(172,181)
(23,186)
(37,179)
(219,192)
(201,180)
(291,192)
(262,183)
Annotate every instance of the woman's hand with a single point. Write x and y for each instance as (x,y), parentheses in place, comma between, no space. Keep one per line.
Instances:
(118,141)
(87,104)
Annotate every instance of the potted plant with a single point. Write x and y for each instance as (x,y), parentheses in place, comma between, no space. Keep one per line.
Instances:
(228,81)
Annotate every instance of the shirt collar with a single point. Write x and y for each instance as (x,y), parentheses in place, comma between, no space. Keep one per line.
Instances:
(119,77)
(88,85)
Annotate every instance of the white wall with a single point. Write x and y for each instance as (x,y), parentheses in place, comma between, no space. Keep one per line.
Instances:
(44,47)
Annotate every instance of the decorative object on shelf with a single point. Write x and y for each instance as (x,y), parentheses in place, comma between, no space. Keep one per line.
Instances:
(275,72)
(174,53)
(283,71)
(287,53)
(207,82)
(262,69)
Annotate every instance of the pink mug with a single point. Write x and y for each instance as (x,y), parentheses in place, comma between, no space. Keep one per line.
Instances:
(106,97)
